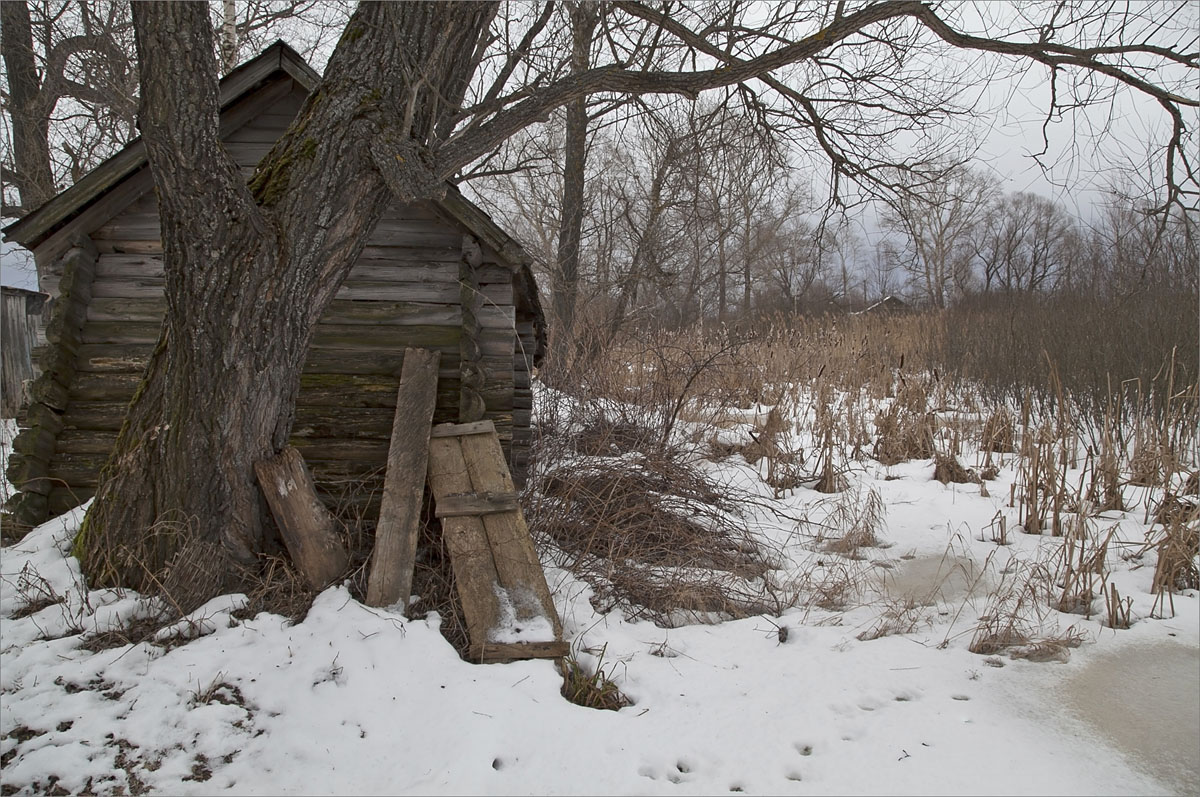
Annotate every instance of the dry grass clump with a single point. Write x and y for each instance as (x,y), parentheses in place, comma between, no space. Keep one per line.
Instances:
(1178,546)
(133,632)
(905,430)
(900,616)
(1015,619)
(947,469)
(998,432)
(855,521)
(279,589)
(656,538)
(594,689)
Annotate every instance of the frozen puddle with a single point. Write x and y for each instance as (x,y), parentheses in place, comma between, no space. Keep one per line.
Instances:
(929,579)
(1145,700)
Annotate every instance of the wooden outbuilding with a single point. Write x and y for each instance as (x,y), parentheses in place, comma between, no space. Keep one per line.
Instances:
(437,275)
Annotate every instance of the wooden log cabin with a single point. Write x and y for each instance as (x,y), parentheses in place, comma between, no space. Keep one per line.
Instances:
(438,275)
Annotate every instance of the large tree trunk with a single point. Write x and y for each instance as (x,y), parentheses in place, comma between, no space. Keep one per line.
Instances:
(250,269)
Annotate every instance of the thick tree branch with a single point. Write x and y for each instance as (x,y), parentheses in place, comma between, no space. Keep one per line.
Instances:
(469,145)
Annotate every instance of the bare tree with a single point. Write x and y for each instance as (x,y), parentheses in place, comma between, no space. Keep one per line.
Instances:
(70,81)
(939,221)
(396,115)
(1022,242)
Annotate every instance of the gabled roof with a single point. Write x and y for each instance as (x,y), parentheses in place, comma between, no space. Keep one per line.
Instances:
(277,59)
(37,225)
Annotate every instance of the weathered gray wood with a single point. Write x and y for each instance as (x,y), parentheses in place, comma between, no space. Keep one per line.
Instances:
(516,559)
(436,292)
(406,279)
(34,229)
(394,557)
(304,523)
(475,504)
(20,329)
(456,205)
(460,429)
(470,554)
(64,499)
(499,558)
(30,466)
(496,652)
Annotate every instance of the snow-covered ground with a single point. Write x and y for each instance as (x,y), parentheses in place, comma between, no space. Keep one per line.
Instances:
(355,700)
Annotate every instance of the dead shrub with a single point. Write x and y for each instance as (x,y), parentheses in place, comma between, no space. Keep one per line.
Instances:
(998,432)
(854,521)
(277,588)
(656,537)
(132,632)
(1177,544)
(947,469)
(905,430)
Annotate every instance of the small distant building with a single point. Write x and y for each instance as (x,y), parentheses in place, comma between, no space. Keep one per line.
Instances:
(888,304)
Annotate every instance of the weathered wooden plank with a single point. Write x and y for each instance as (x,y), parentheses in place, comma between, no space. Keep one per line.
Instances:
(460,429)
(475,504)
(327,448)
(131,226)
(304,523)
(384,291)
(470,554)
(402,265)
(80,470)
(86,441)
(386,315)
(409,251)
(516,559)
(112,358)
(394,556)
(259,131)
(496,652)
(325,395)
(413,234)
(124,266)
